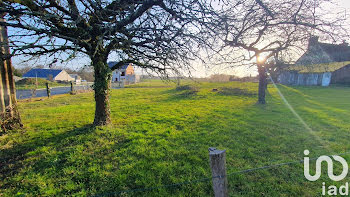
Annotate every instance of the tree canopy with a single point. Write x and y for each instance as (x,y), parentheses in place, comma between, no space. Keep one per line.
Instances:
(155,34)
(152,33)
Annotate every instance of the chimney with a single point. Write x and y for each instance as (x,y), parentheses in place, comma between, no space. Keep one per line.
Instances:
(313,40)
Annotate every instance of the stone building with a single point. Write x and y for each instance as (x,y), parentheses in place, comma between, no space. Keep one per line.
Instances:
(322,64)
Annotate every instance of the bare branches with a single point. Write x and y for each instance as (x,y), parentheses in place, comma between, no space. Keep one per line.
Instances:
(272,27)
(268,11)
(156,32)
(153,33)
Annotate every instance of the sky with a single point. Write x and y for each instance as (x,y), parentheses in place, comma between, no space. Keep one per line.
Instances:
(252,71)
(198,71)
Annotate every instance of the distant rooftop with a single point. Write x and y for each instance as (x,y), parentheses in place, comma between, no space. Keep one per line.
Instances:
(75,76)
(321,53)
(42,73)
(111,64)
(337,52)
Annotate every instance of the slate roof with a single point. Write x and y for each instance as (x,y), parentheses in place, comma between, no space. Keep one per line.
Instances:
(320,53)
(337,52)
(322,57)
(42,73)
(111,64)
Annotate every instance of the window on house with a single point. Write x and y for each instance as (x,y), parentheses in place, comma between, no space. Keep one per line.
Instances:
(123,74)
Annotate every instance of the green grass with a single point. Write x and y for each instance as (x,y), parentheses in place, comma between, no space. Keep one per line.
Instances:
(161,136)
(154,83)
(31,83)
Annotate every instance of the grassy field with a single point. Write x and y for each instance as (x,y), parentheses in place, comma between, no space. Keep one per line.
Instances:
(160,136)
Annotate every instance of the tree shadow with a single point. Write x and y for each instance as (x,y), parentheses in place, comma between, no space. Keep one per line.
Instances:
(176,95)
(12,158)
(303,97)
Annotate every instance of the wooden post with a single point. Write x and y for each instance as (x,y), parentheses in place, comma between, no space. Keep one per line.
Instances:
(48,90)
(217,159)
(71,87)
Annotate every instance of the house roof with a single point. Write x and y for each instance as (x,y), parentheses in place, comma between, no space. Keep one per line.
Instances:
(42,73)
(321,53)
(337,52)
(318,68)
(111,64)
(322,57)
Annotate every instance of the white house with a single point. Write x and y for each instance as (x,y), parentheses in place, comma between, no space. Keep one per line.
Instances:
(125,74)
(77,78)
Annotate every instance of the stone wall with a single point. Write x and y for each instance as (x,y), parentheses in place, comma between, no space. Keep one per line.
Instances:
(341,76)
(306,79)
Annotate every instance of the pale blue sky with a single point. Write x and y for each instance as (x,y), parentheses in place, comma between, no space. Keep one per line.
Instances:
(199,71)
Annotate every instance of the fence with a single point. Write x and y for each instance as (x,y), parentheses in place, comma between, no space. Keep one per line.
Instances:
(118,84)
(217,160)
(48,91)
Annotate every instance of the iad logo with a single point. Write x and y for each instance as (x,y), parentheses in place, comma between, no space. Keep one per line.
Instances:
(330,167)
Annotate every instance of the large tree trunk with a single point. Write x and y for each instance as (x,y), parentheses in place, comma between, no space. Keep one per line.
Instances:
(9,116)
(262,84)
(102,87)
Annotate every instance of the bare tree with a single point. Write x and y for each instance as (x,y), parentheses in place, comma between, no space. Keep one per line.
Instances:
(9,116)
(256,30)
(154,34)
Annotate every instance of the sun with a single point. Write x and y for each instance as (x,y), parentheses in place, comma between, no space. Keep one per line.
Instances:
(261,59)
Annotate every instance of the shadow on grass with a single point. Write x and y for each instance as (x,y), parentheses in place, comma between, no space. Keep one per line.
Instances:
(181,94)
(291,93)
(12,158)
